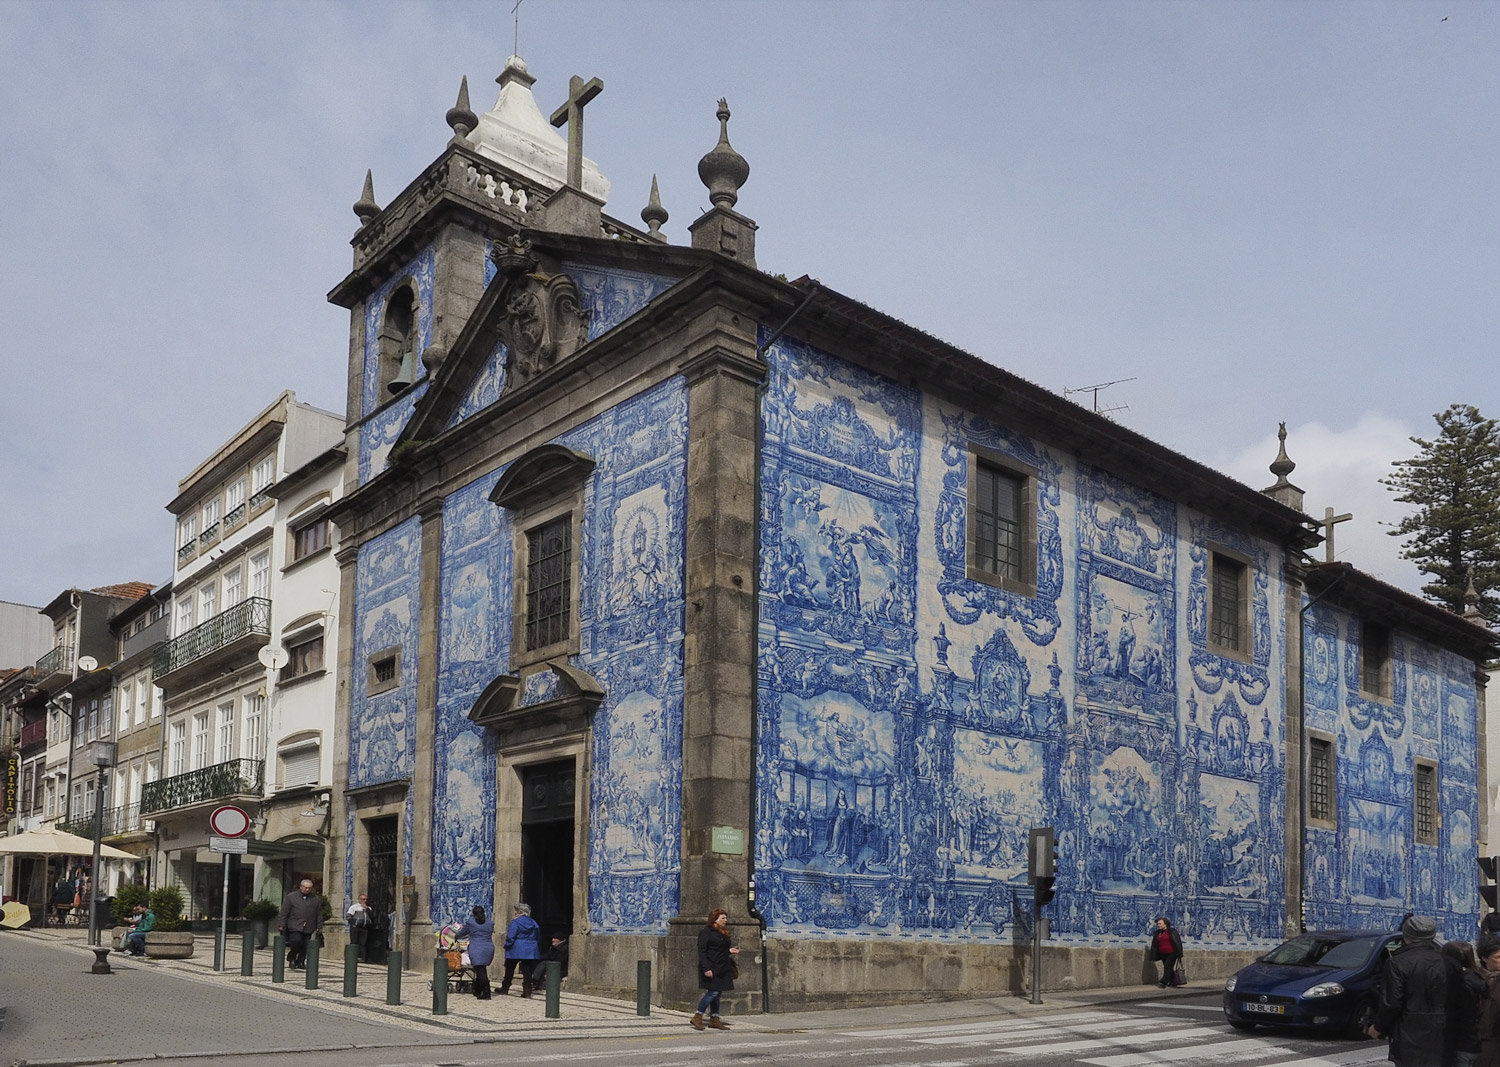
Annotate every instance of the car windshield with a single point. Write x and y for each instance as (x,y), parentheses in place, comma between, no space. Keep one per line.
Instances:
(1313,951)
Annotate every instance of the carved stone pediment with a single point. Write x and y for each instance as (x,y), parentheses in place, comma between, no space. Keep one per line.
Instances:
(541,321)
(550,700)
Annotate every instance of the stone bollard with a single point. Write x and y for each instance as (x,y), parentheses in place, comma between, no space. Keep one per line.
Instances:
(351,970)
(440,985)
(554,989)
(313,950)
(247,953)
(278,959)
(393,978)
(643,987)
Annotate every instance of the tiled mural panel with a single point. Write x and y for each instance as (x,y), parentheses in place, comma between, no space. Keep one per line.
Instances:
(914,724)
(609,297)
(387,605)
(378,435)
(1368,870)
(631,621)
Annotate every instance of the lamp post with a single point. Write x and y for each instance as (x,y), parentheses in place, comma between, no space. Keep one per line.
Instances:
(101,754)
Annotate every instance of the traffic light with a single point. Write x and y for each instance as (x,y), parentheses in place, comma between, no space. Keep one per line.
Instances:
(1488,867)
(1045,890)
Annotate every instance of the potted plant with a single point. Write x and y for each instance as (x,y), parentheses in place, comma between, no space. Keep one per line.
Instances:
(259,913)
(123,908)
(166,940)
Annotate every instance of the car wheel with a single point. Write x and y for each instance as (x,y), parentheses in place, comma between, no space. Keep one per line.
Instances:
(1241,1024)
(1360,1021)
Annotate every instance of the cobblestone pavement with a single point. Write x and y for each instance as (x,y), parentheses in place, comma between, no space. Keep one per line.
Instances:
(58,1012)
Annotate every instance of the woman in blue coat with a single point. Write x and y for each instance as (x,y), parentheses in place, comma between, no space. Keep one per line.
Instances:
(481,934)
(523,946)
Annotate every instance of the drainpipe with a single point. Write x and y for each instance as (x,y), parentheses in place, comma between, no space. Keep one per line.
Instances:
(760,444)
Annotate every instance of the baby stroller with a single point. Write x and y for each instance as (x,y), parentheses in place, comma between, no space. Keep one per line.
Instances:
(454,949)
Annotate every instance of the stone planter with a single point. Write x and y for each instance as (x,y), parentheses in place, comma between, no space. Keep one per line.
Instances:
(260,930)
(169,944)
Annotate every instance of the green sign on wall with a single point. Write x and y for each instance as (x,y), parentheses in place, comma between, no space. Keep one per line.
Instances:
(728,841)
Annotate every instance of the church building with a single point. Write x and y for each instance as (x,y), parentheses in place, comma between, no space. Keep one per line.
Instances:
(669,584)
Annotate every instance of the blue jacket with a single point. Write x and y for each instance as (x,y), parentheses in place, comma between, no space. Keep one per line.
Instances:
(481,937)
(521,940)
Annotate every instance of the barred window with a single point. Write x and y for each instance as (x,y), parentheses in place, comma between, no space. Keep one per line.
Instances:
(1320,779)
(1425,789)
(548,583)
(997,522)
(1227,622)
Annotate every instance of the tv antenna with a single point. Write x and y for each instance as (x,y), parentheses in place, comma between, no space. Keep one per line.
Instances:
(1095,390)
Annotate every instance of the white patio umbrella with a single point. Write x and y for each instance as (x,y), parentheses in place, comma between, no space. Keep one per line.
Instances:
(57,843)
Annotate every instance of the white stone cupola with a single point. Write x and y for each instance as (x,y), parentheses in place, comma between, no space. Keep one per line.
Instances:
(515,134)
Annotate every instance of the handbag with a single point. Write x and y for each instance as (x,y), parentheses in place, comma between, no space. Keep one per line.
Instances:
(463,958)
(1179,974)
(734,969)
(455,960)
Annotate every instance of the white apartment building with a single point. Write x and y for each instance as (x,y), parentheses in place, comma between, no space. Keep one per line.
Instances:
(229,736)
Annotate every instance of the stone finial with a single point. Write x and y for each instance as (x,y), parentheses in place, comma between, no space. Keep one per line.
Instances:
(460,116)
(1284,492)
(723,170)
(1471,599)
(515,71)
(365,207)
(653,214)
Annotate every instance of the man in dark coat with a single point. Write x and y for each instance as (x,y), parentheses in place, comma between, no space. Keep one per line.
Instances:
(1420,991)
(301,920)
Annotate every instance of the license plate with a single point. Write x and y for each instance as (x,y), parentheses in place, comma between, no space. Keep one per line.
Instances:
(1264,1009)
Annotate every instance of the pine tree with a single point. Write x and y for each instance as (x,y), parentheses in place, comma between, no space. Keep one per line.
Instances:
(1454,482)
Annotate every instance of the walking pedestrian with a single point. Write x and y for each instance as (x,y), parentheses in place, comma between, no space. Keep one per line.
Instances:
(1420,999)
(1471,994)
(360,919)
(522,946)
(1489,1011)
(717,969)
(301,920)
(481,934)
(1166,946)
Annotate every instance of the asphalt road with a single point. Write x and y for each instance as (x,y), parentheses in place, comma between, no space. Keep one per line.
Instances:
(1181,1033)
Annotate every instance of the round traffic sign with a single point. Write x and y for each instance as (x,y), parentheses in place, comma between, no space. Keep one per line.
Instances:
(229,821)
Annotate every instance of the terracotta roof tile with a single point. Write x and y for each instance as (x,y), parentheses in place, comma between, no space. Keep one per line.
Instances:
(125,591)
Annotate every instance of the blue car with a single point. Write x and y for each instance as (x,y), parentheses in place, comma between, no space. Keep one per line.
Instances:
(1325,979)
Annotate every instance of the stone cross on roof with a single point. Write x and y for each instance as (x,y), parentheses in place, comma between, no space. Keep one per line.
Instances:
(571,113)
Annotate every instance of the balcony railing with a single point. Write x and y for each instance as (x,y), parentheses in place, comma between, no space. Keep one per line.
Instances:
(209,535)
(33,732)
(252,616)
(122,820)
(259,497)
(234,517)
(238,777)
(186,550)
(58,661)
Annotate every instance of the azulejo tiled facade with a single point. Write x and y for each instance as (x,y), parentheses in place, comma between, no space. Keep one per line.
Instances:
(771,657)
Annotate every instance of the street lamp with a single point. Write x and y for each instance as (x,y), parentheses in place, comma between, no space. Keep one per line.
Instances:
(102,754)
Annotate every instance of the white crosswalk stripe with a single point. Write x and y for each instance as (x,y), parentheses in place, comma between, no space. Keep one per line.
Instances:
(1043,1028)
(1218,1052)
(1021,1022)
(1192,1033)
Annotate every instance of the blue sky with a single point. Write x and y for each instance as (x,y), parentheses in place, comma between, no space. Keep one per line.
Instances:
(1257,211)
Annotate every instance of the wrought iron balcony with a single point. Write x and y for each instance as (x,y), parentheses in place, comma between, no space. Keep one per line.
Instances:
(259,497)
(81,826)
(121,820)
(249,618)
(237,777)
(58,661)
(187,550)
(209,535)
(234,517)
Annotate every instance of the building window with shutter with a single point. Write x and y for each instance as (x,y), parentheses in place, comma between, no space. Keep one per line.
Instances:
(1229,604)
(304,657)
(1000,538)
(299,764)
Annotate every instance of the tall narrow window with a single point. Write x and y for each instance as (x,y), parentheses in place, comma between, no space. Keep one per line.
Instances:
(184,614)
(309,539)
(187,531)
(548,583)
(255,706)
(1228,601)
(1424,790)
(144,701)
(177,749)
(260,575)
(261,474)
(304,656)
(208,600)
(200,740)
(997,522)
(225,751)
(127,703)
(1374,659)
(234,582)
(1320,779)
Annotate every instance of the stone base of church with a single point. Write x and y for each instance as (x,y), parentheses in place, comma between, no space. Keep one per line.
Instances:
(810,975)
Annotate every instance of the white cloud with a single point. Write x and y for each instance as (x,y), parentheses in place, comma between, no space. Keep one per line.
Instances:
(1341,469)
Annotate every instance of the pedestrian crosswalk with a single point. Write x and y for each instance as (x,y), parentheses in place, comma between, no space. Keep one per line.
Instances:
(1116,1039)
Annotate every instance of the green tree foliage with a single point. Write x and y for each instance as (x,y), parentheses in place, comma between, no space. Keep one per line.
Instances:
(1454,485)
(126,900)
(166,904)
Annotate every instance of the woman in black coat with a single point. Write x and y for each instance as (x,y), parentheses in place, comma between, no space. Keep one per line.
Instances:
(1166,946)
(716,969)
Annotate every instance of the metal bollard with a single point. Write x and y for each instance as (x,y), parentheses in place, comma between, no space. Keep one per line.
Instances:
(278,959)
(440,986)
(554,989)
(643,987)
(351,970)
(393,978)
(247,953)
(218,950)
(312,962)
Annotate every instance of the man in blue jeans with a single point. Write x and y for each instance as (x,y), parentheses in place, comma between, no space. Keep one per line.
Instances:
(135,941)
